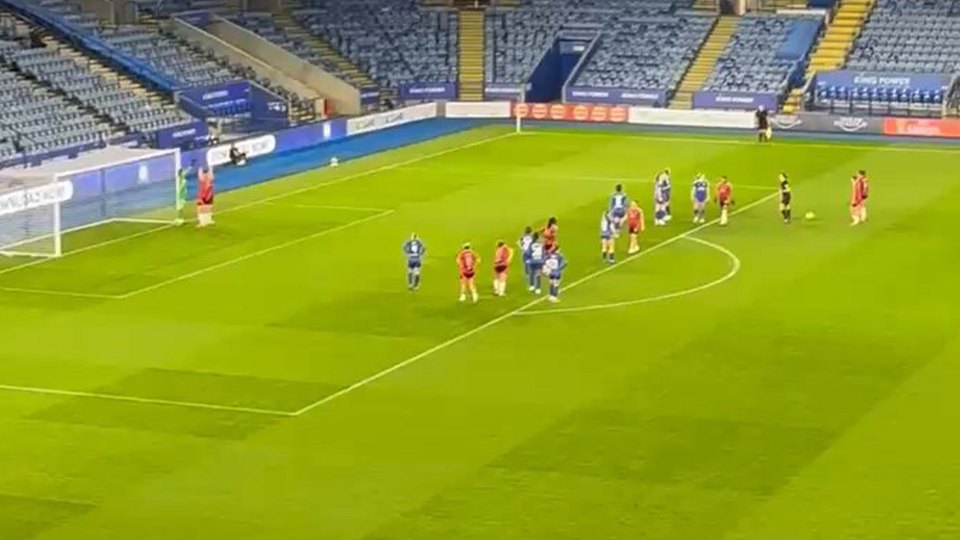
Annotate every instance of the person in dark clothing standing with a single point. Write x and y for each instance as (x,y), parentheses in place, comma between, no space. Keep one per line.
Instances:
(764,132)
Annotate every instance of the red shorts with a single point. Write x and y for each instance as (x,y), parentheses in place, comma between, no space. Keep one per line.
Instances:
(500,269)
(633,228)
(467,275)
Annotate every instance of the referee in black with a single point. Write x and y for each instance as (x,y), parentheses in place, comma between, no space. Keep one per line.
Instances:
(763,124)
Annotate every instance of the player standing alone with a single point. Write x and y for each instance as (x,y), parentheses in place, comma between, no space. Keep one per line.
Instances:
(414,249)
(634,227)
(205,197)
(699,195)
(553,267)
(501,263)
(764,131)
(467,261)
(786,196)
(865,192)
(724,199)
(856,199)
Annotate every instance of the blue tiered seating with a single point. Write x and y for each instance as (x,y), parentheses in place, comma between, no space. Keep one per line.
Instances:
(34,120)
(647,52)
(760,57)
(900,37)
(169,55)
(395,41)
(122,106)
(644,44)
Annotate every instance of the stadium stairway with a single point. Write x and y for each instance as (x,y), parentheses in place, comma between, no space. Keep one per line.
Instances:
(471,55)
(706,5)
(831,51)
(286,23)
(703,64)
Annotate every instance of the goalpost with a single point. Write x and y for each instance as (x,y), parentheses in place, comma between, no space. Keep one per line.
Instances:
(39,205)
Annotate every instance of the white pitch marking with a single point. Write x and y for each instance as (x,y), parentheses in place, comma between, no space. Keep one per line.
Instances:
(52,292)
(493,322)
(265,200)
(252,255)
(329,207)
(734,270)
(148,401)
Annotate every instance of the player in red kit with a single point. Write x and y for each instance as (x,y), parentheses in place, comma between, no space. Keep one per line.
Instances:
(724,199)
(549,235)
(467,261)
(501,263)
(634,226)
(205,197)
(856,199)
(864,193)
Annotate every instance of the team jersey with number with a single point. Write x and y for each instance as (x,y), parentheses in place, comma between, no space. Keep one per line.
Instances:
(554,265)
(701,190)
(414,250)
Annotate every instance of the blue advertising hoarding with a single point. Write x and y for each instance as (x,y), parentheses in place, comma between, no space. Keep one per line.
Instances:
(181,135)
(615,96)
(369,96)
(215,100)
(743,101)
(428,91)
(874,79)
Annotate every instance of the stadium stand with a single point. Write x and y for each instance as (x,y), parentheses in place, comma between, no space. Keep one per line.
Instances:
(650,51)
(517,38)
(34,119)
(706,59)
(74,78)
(396,42)
(766,54)
(905,36)
(900,36)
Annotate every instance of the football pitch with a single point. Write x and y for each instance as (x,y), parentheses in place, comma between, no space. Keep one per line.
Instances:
(271,378)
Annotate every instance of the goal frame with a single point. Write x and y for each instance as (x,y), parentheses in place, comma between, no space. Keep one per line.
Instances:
(57,233)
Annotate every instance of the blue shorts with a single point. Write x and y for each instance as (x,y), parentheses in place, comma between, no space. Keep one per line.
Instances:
(535,267)
(413,264)
(605,236)
(700,201)
(618,212)
(554,276)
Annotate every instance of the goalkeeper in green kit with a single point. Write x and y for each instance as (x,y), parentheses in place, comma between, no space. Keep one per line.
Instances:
(181,195)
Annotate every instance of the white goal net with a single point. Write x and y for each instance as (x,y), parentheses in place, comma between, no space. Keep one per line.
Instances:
(39,205)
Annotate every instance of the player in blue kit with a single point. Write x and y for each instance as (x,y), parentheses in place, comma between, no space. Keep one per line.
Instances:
(414,249)
(535,255)
(607,238)
(618,207)
(553,268)
(524,244)
(661,198)
(699,195)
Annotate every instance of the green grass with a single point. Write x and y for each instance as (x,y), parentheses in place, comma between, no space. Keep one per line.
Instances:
(231,383)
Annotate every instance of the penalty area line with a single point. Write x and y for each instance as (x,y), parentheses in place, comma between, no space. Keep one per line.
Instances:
(145,401)
(518,311)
